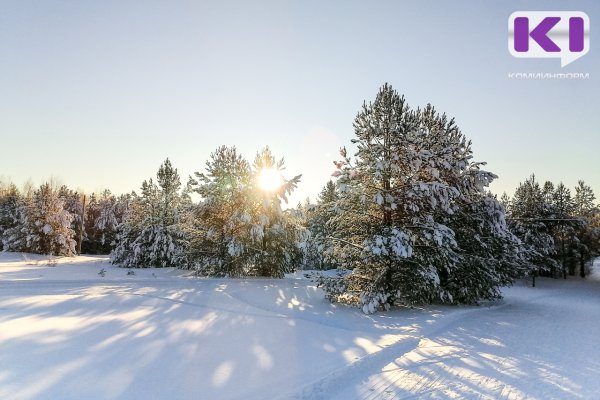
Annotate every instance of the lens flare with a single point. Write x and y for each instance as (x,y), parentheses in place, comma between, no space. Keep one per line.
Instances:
(269,179)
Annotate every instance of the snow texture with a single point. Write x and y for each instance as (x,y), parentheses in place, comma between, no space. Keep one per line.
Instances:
(67,332)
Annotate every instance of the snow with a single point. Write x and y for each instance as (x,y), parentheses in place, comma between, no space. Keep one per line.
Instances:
(67,332)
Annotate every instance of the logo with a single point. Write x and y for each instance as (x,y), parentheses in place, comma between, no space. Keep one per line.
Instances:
(549,34)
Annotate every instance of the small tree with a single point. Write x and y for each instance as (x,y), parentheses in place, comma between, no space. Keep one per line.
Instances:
(222,219)
(529,219)
(274,233)
(588,227)
(104,214)
(240,228)
(73,203)
(13,219)
(49,224)
(563,230)
(152,233)
(322,227)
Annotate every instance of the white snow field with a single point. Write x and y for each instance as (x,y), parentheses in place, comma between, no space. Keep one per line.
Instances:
(68,333)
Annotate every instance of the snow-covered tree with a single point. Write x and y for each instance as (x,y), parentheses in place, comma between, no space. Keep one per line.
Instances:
(505,201)
(104,213)
(151,234)
(558,230)
(48,224)
(563,228)
(239,226)
(407,185)
(588,227)
(530,219)
(274,233)
(73,203)
(547,194)
(13,217)
(489,253)
(321,225)
(223,216)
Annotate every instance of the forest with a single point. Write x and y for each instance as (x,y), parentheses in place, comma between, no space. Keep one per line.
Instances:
(407,219)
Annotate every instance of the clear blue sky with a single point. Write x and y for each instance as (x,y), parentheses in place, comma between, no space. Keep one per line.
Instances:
(99,93)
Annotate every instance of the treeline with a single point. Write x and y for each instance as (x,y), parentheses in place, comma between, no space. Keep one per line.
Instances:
(559,231)
(57,220)
(237,229)
(408,220)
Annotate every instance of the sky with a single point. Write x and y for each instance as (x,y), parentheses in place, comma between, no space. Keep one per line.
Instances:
(98,94)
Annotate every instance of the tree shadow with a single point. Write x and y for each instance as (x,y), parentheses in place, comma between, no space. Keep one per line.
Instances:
(261,338)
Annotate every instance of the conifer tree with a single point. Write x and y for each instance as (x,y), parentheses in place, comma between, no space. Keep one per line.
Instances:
(530,220)
(274,233)
(152,234)
(73,204)
(321,225)
(563,229)
(588,227)
(48,224)
(410,179)
(489,253)
(13,217)
(222,219)
(240,228)
(104,213)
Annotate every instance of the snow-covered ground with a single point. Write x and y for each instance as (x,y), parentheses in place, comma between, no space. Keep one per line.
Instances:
(67,332)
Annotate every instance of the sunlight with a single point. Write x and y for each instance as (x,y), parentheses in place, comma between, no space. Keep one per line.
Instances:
(270,179)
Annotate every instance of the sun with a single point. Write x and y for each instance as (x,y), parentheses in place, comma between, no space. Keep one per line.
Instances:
(269,179)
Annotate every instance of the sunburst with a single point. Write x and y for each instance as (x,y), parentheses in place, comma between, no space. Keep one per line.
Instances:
(269,179)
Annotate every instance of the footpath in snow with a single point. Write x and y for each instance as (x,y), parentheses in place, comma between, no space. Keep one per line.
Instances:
(68,332)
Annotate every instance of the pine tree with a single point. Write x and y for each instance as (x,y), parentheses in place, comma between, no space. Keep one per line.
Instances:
(548,193)
(274,233)
(151,234)
(104,214)
(48,224)
(588,227)
(321,225)
(505,201)
(73,203)
(410,180)
(563,230)
(240,228)
(223,216)
(529,220)
(489,253)
(13,217)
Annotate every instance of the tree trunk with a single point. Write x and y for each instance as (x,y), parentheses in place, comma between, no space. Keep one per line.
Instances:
(387,213)
(572,264)
(81,227)
(263,267)
(564,258)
